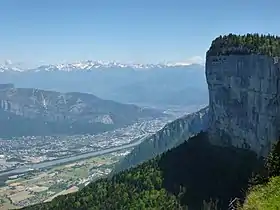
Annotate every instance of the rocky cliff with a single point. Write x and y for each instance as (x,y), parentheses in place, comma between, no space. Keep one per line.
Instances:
(170,136)
(244,99)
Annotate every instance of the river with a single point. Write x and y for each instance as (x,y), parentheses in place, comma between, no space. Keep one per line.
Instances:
(47,164)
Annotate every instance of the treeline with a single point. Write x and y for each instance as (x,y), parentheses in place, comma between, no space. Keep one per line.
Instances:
(245,44)
(195,175)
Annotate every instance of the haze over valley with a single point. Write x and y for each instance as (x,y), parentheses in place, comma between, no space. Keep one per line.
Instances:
(144,84)
(119,105)
(52,120)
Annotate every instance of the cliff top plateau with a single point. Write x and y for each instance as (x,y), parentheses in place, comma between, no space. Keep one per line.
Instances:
(245,44)
(244,91)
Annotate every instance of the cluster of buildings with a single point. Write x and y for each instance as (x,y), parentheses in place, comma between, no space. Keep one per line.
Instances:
(16,152)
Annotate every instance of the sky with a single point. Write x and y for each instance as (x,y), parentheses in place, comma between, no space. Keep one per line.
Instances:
(141,31)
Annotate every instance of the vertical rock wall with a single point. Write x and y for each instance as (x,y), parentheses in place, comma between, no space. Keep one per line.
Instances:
(244,101)
(170,136)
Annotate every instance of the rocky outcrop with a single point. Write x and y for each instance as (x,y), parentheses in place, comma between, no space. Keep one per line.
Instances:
(244,100)
(171,135)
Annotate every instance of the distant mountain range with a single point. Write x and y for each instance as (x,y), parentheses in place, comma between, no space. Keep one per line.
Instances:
(151,84)
(86,66)
(28,111)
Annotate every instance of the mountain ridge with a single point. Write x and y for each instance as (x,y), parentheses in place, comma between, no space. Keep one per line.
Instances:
(71,112)
(170,136)
(154,86)
(89,65)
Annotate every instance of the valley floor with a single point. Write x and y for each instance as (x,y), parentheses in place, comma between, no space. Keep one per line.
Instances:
(43,186)
(195,174)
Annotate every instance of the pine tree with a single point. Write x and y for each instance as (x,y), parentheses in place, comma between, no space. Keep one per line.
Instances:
(273,161)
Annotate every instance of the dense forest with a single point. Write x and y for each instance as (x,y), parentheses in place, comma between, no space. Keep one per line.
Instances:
(194,175)
(245,44)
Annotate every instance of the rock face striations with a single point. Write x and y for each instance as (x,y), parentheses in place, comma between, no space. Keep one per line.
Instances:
(170,136)
(243,76)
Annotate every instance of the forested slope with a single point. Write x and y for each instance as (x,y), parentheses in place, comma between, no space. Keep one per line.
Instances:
(190,175)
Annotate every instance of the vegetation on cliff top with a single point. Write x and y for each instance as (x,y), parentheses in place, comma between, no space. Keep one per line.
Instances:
(245,44)
(192,175)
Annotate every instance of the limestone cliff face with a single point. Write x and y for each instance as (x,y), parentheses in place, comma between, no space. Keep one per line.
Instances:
(244,100)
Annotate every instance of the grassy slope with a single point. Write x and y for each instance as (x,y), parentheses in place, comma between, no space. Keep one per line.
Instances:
(264,197)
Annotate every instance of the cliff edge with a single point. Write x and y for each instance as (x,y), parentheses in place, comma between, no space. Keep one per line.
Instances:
(243,74)
(170,136)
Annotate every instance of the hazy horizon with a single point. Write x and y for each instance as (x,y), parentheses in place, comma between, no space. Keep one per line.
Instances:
(53,32)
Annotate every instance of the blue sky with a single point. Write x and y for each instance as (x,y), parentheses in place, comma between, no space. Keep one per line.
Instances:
(147,31)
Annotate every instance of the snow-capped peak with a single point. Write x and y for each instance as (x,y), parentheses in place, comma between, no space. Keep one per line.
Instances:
(9,66)
(89,65)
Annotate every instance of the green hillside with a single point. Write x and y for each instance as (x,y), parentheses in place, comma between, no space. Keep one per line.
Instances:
(265,192)
(264,196)
(193,175)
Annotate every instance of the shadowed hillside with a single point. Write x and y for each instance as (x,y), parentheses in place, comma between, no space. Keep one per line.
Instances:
(190,175)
